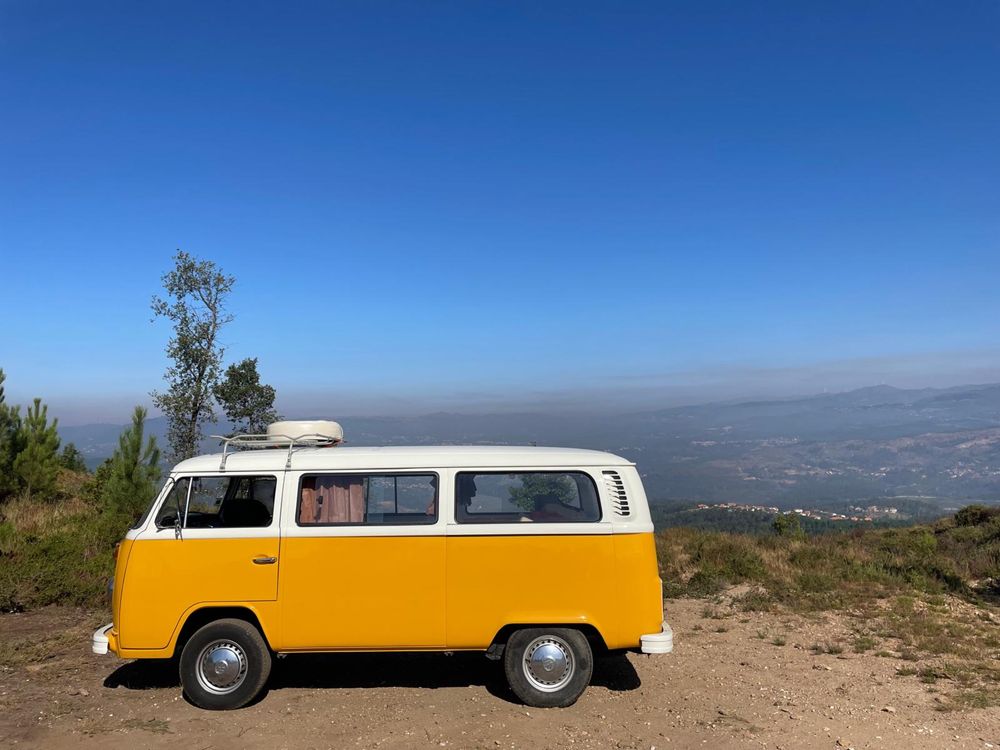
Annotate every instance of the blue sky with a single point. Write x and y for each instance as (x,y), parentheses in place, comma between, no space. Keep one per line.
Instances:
(461,205)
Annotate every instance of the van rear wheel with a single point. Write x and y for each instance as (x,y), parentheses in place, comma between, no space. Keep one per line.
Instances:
(225,665)
(548,667)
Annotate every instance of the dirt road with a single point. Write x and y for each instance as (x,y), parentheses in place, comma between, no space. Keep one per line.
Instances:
(746,681)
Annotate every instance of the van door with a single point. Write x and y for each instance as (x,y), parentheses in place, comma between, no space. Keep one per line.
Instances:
(214,541)
(362,562)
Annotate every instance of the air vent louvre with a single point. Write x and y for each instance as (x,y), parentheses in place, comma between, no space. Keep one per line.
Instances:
(616,490)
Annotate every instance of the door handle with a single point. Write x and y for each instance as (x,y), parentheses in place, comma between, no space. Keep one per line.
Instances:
(265,560)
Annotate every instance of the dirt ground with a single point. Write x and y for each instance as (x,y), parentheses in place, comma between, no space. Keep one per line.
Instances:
(733,688)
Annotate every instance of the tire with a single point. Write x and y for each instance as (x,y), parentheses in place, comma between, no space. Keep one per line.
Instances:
(548,667)
(236,674)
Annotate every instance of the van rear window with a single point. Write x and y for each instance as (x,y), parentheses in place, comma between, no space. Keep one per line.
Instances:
(367,499)
(538,496)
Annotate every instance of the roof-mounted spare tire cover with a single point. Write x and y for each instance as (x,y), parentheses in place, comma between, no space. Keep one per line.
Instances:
(314,429)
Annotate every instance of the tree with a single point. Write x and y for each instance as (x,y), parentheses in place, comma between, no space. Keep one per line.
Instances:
(10,443)
(195,305)
(537,489)
(133,471)
(37,464)
(788,525)
(72,459)
(974,515)
(248,403)
(93,489)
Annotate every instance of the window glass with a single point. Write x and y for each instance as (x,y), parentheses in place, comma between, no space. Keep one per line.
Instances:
(141,520)
(221,502)
(541,496)
(205,501)
(367,499)
(173,505)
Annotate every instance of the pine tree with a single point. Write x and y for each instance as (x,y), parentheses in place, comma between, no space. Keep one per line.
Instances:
(133,470)
(10,443)
(37,464)
(72,459)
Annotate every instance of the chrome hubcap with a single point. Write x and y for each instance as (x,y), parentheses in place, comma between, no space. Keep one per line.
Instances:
(222,667)
(548,663)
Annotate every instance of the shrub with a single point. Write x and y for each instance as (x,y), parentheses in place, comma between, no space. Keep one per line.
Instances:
(863,643)
(57,553)
(837,570)
(975,515)
(731,558)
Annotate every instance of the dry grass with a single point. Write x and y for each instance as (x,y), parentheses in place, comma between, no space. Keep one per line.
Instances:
(929,633)
(35,648)
(30,518)
(863,643)
(155,726)
(827,648)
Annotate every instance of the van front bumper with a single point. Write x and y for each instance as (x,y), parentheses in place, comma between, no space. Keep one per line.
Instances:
(658,643)
(100,643)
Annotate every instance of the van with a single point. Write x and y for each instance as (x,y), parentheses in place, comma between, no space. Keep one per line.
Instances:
(290,542)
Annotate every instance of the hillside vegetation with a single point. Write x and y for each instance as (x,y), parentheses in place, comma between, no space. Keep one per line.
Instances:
(959,555)
(925,595)
(59,551)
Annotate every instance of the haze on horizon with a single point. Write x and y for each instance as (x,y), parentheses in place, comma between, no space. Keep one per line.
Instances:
(631,393)
(483,208)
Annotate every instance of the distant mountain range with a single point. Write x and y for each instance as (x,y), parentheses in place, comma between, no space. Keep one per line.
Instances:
(942,445)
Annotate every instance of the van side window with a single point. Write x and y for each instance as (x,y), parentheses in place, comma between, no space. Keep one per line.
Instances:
(220,502)
(540,496)
(367,499)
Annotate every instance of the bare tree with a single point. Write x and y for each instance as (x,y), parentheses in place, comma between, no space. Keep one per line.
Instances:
(196,292)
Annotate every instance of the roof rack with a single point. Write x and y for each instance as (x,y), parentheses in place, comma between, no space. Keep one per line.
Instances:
(272,440)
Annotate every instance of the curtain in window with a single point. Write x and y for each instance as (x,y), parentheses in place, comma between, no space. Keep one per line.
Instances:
(332,499)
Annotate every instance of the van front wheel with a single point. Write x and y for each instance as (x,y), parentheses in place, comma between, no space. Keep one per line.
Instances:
(224,665)
(548,667)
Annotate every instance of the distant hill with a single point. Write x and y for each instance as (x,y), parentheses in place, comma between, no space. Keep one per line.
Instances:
(940,446)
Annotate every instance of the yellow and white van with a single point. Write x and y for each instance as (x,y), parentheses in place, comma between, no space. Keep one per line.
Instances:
(289,542)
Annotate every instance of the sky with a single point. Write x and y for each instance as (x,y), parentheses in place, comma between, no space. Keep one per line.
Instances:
(503,205)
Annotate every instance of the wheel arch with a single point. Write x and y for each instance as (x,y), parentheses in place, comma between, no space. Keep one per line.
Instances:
(590,631)
(200,616)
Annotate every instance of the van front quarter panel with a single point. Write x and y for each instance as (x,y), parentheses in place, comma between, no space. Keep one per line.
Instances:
(167,575)
(167,578)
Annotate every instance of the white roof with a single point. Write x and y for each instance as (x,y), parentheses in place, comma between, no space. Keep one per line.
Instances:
(400,457)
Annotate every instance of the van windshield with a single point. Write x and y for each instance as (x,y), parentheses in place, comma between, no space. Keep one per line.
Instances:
(152,504)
